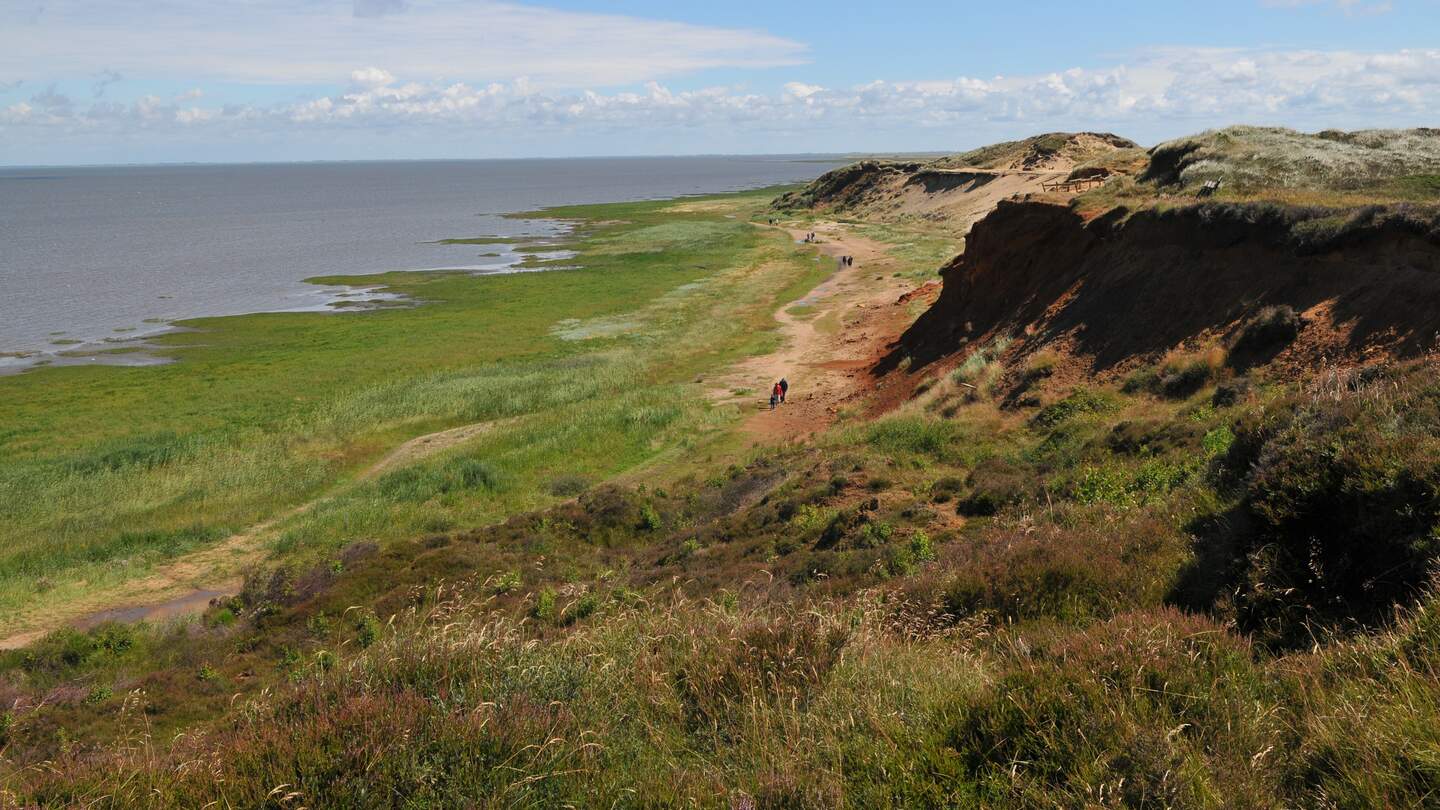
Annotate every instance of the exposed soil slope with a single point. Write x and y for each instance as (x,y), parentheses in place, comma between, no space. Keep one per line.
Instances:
(956,191)
(1117,291)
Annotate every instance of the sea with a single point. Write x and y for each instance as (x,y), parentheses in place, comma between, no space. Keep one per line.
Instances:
(93,259)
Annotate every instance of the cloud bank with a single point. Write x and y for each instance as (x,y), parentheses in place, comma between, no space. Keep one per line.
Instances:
(1187,88)
(320,41)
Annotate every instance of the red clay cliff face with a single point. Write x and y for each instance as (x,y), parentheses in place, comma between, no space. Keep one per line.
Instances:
(1116,291)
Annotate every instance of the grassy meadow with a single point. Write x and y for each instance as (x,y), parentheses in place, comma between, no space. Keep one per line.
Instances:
(107,471)
(1199,583)
(1106,600)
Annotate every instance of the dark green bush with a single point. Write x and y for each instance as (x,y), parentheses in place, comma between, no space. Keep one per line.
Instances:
(1232,392)
(1265,335)
(994,484)
(568,486)
(1081,401)
(1344,496)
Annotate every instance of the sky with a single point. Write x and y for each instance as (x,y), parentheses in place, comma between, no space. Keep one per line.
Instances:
(141,81)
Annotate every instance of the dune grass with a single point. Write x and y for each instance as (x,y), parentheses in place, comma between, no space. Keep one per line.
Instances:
(105,471)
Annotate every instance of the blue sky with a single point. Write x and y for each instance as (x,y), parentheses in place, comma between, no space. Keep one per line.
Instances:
(116,81)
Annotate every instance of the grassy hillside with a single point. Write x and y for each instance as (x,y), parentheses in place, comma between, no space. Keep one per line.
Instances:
(1380,162)
(959,605)
(1204,578)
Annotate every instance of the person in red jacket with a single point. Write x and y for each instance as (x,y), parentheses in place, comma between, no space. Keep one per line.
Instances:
(775,394)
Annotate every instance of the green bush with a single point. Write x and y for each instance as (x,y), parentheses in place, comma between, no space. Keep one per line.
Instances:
(650,519)
(1080,402)
(994,484)
(1344,497)
(545,609)
(1265,335)
(920,546)
(582,609)
(367,629)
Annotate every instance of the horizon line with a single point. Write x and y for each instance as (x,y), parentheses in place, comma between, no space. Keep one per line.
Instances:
(200,163)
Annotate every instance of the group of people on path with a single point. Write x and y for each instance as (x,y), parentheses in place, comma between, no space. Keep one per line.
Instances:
(847,261)
(810,238)
(778,392)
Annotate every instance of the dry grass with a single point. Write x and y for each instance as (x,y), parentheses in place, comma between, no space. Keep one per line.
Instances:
(1390,162)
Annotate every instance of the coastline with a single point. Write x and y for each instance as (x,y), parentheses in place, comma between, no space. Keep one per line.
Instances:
(131,345)
(118,471)
(145,244)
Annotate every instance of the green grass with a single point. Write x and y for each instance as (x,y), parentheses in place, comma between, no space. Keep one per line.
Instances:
(921,249)
(804,630)
(1118,599)
(264,412)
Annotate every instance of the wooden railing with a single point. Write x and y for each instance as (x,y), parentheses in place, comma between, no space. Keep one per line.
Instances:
(1080,184)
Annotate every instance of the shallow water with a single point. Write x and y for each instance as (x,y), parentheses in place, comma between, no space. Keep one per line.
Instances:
(90,254)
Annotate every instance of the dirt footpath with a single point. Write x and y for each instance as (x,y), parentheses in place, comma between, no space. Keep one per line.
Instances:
(832,337)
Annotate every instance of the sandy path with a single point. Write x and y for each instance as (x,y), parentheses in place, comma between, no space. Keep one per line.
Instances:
(185,585)
(828,351)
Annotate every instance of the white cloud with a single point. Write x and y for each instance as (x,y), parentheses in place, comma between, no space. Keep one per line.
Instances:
(1172,90)
(371,77)
(802,90)
(322,41)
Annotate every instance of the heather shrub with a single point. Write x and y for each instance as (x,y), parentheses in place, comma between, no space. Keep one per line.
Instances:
(1094,566)
(1264,336)
(994,484)
(1343,493)
(1178,377)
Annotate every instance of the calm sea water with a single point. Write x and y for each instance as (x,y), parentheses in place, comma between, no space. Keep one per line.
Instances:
(99,255)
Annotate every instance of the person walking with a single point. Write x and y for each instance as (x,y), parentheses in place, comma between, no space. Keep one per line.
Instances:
(784,386)
(775,394)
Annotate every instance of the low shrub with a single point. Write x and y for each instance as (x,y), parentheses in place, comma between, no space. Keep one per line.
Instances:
(568,486)
(1179,377)
(994,484)
(1080,402)
(1232,392)
(1099,564)
(1265,335)
(1153,709)
(1343,491)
